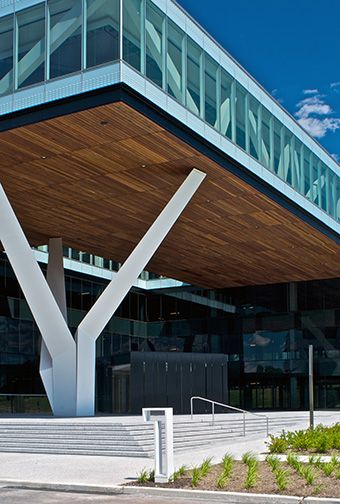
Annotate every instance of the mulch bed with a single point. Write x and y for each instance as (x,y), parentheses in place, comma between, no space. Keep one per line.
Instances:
(324,486)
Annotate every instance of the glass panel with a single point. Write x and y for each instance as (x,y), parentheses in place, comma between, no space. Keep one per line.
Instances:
(227,117)
(332,195)
(65,37)
(193,95)
(297,164)
(323,192)
(277,148)
(338,199)
(31,46)
(240,116)
(211,69)
(286,172)
(254,127)
(154,44)
(102,31)
(306,172)
(266,139)
(6,55)
(314,179)
(132,33)
(175,61)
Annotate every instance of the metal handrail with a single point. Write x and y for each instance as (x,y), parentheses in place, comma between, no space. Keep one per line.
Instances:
(204,399)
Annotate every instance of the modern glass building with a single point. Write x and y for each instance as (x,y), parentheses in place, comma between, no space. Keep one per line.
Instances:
(106,105)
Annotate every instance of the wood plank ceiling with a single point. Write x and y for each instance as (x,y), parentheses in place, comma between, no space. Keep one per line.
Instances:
(99,178)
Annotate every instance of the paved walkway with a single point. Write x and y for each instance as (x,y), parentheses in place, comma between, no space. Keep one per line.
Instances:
(107,471)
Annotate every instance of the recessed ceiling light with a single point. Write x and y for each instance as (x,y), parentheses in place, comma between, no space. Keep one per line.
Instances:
(143,165)
(43,157)
(104,123)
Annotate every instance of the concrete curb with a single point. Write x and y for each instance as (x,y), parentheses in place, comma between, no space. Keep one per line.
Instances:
(204,495)
(64,487)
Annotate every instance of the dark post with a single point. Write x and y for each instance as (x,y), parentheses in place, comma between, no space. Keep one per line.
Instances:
(311,387)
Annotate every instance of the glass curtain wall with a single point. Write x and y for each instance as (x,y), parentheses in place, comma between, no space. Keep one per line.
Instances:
(31,46)
(65,37)
(6,54)
(155,46)
(102,32)
(57,38)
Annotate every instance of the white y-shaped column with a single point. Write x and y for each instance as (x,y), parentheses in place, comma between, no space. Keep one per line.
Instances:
(96,319)
(52,325)
(56,281)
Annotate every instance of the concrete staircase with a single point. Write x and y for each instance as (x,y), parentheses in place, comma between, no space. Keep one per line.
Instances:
(122,439)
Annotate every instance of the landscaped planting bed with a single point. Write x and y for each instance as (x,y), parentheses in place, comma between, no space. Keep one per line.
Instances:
(314,477)
(319,440)
(271,476)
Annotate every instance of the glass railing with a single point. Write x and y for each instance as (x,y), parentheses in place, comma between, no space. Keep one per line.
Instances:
(56,38)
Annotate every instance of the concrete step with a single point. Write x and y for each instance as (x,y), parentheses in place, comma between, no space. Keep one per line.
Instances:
(58,451)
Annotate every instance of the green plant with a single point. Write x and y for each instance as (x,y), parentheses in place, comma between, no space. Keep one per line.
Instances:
(248,458)
(337,474)
(281,478)
(294,462)
(222,480)
(308,473)
(143,476)
(227,462)
(196,476)
(206,466)
(277,444)
(252,474)
(273,462)
(178,473)
(321,440)
(328,468)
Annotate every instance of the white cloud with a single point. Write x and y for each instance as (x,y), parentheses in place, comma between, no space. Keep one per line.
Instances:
(318,128)
(313,115)
(310,91)
(336,157)
(335,84)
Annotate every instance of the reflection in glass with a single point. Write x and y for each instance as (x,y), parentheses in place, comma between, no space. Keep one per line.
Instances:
(154,44)
(240,116)
(227,110)
(31,45)
(254,127)
(194,63)
(65,37)
(266,139)
(102,29)
(175,61)
(6,55)
(211,83)
(132,20)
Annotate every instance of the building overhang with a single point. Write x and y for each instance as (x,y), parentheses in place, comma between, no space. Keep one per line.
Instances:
(98,167)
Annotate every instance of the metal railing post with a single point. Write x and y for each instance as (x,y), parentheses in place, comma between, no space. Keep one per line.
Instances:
(244,423)
(191,406)
(213,413)
(267,421)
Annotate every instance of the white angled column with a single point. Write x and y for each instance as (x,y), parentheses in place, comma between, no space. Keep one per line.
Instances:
(56,281)
(45,310)
(96,319)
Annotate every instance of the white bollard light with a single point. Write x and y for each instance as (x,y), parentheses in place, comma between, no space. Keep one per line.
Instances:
(164,441)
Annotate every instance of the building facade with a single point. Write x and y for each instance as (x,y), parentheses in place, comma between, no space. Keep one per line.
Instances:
(247,347)
(106,106)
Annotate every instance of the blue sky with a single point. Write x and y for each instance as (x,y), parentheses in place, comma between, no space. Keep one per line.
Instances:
(291,47)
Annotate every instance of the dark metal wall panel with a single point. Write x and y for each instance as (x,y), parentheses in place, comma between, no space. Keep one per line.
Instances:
(160,379)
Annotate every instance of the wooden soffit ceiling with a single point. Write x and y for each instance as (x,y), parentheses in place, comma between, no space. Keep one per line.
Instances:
(99,177)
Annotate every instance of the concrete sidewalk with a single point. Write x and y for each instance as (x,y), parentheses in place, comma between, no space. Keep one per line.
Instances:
(111,471)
